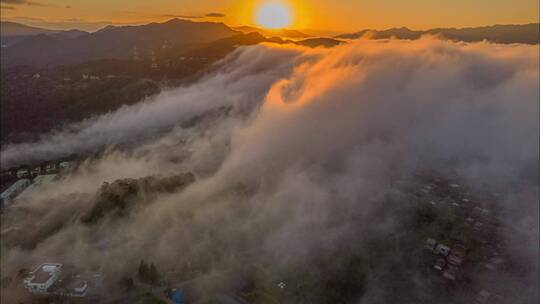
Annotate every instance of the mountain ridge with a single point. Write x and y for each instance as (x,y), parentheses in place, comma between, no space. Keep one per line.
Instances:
(112,42)
(498,33)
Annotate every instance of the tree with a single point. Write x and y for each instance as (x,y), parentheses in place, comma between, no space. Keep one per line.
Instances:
(127,283)
(153,274)
(148,273)
(143,270)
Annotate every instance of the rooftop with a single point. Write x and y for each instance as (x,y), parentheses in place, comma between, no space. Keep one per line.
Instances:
(16,186)
(38,182)
(43,273)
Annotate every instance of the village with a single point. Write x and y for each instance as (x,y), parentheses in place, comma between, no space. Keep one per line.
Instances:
(459,235)
(18,183)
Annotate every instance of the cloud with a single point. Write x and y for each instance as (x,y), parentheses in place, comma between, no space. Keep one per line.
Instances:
(215,15)
(77,20)
(174,107)
(70,23)
(24,2)
(212,15)
(181,16)
(296,153)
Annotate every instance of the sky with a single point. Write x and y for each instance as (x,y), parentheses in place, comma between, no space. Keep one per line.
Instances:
(348,15)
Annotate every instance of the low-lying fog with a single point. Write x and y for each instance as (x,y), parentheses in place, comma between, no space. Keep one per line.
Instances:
(294,152)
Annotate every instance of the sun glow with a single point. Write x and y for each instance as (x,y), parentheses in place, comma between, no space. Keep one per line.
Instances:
(274,15)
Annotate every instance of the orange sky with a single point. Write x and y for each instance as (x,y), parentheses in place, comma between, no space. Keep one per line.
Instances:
(338,15)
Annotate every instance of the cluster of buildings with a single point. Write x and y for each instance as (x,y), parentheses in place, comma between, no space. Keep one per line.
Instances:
(48,279)
(472,223)
(29,180)
(450,259)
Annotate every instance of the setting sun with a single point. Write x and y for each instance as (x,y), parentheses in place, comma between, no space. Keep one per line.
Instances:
(274,15)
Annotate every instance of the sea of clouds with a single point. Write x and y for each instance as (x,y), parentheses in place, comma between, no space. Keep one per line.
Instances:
(294,150)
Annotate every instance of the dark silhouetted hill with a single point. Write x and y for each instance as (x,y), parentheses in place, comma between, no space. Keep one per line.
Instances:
(284,33)
(525,33)
(112,43)
(318,42)
(12,33)
(8,28)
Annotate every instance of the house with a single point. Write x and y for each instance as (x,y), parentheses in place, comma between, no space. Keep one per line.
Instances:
(7,174)
(23,173)
(48,279)
(439,265)
(69,287)
(442,250)
(51,168)
(79,288)
(65,165)
(38,182)
(457,255)
(35,171)
(450,273)
(430,244)
(13,191)
(43,277)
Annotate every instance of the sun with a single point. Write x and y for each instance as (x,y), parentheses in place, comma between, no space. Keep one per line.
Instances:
(274,16)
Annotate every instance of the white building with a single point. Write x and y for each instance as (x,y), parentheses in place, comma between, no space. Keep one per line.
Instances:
(36,171)
(38,182)
(13,191)
(51,168)
(43,277)
(21,173)
(65,165)
(71,287)
(442,249)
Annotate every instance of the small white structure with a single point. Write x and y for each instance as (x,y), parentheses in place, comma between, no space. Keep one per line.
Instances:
(22,173)
(79,288)
(65,165)
(13,191)
(482,297)
(36,171)
(43,277)
(439,265)
(430,244)
(442,249)
(51,168)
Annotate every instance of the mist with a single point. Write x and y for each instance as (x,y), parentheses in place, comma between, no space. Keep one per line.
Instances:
(296,153)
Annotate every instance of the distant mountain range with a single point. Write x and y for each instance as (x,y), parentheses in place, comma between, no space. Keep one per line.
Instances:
(12,33)
(526,33)
(111,42)
(31,46)
(10,29)
(285,33)
(46,48)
